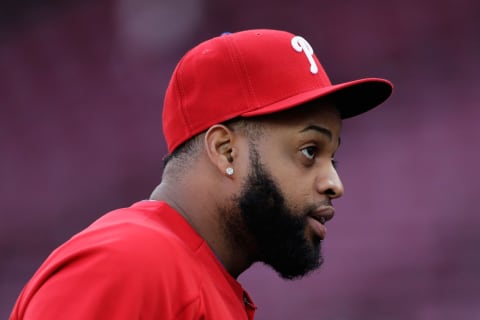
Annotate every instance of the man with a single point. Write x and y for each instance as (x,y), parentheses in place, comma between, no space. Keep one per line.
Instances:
(252,124)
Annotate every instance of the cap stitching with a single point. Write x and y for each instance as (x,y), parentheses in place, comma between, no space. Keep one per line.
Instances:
(240,57)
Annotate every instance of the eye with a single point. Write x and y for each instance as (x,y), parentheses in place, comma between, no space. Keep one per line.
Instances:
(309,152)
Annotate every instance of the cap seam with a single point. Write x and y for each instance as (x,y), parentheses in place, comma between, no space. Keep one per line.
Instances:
(233,52)
(244,71)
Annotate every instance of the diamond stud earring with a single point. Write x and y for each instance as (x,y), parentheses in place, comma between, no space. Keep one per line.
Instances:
(229,171)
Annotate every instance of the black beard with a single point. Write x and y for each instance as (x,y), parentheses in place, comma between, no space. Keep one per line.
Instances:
(278,233)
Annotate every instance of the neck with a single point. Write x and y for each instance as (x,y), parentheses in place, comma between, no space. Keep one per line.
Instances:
(190,201)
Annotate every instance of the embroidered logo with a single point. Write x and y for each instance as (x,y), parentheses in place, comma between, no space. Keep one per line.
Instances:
(300,44)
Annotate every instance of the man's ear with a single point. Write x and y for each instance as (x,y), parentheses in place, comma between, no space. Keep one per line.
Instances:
(220,147)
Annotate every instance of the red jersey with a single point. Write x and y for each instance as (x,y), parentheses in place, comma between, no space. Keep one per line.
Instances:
(142,262)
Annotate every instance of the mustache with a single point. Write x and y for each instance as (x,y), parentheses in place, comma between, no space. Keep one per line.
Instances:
(314,207)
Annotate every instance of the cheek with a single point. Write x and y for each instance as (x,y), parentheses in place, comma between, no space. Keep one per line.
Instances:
(297,196)
(295,186)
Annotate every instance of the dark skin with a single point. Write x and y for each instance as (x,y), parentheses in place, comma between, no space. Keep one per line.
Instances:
(296,147)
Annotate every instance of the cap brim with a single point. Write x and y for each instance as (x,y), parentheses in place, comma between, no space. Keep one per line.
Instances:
(351,98)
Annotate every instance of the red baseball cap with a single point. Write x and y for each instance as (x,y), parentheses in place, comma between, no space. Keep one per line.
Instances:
(252,73)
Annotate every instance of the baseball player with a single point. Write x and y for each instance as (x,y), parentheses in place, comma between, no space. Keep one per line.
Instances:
(252,124)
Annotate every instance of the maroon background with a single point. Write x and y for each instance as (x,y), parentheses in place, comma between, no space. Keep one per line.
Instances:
(81,89)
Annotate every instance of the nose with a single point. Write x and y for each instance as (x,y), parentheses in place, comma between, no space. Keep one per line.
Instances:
(329,183)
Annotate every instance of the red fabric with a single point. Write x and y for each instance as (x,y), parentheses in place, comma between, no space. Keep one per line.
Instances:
(143,262)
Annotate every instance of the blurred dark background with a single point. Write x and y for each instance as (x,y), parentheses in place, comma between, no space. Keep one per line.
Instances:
(81,90)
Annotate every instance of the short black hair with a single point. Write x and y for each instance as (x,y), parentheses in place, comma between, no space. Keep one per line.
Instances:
(247,126)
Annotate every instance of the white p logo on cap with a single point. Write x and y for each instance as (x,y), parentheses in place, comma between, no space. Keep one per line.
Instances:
(300,44)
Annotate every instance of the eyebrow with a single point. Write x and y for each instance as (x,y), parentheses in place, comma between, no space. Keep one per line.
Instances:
(322,130)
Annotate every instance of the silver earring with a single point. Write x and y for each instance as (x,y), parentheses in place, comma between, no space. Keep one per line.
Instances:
(229,171)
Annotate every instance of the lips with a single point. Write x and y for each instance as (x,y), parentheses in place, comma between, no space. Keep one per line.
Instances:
(318,219)
(324,214)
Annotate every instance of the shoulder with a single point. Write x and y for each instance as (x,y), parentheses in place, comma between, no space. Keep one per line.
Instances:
(140,238)
(129,259)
